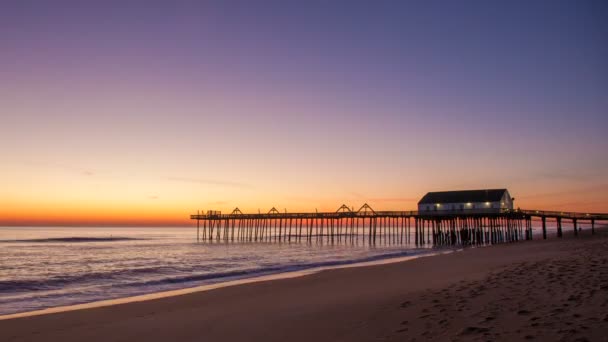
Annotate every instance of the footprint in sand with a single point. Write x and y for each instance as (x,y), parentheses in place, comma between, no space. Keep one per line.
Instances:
(473,330)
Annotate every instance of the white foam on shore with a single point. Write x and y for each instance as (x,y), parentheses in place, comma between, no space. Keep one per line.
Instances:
(209,287)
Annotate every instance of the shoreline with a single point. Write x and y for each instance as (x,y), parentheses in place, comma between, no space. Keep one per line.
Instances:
(547,289)
(223,284)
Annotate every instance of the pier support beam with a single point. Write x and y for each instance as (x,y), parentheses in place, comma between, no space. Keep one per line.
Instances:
(592,226)
(544,219)
(416,231)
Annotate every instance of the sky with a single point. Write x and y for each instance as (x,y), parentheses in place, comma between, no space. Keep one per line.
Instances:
(143,112)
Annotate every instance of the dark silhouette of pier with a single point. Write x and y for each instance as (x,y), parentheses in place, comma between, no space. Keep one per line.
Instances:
(442,227)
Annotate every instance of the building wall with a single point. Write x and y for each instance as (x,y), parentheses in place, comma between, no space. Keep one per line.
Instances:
(505,203)
(461,206)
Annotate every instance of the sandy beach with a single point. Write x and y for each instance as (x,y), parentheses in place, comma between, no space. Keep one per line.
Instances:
(539,290)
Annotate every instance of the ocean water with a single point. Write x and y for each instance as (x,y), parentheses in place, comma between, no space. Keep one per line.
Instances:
(49,267)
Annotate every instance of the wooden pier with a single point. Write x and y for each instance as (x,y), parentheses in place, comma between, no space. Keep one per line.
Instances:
(454,227)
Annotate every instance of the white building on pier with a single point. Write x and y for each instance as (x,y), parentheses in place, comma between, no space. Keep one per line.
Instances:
(487,200)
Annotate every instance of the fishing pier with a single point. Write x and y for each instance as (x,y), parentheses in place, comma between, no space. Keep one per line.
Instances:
(440,227)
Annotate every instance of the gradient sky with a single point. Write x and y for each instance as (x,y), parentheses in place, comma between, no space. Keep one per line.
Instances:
(142,112)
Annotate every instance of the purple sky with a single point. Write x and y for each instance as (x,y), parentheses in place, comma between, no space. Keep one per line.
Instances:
(200,105)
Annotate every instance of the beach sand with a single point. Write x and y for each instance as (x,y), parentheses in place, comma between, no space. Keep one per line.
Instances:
(549,290)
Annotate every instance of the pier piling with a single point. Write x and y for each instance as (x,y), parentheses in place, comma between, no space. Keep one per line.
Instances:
(465,227)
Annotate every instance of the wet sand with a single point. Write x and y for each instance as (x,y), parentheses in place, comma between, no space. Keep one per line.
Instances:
(540,290)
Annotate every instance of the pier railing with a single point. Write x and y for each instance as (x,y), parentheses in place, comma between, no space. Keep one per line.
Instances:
(563,214)
(410,213)
(342,214)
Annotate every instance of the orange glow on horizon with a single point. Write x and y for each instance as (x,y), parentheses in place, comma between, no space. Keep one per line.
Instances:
(178,214)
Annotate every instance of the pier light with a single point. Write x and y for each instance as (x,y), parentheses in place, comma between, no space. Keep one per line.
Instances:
(488,203)
(468,204)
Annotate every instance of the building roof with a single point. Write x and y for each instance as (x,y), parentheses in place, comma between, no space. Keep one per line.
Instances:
(463,196)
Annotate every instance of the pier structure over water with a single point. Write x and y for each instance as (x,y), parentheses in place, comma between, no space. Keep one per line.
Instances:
(441,227)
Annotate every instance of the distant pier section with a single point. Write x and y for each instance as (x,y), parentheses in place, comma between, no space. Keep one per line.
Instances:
(465,217)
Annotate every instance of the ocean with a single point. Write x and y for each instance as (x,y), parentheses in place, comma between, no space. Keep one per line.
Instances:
(50,267)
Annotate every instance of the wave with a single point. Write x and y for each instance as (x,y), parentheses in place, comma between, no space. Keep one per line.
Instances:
(75,239)
(270,269)
(66,280)
(16,295)
(158,276)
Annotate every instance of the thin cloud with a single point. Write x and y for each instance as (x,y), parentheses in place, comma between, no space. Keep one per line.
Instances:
(358,195)
(392,199)
(75,169)
(303,199)
(580,176)
(557,194)
(211,182)
(383,199)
